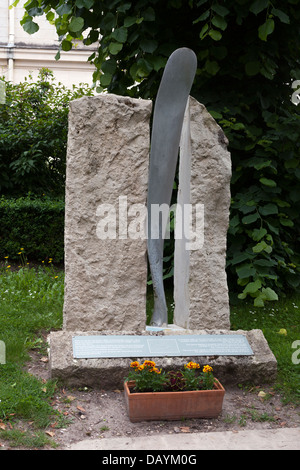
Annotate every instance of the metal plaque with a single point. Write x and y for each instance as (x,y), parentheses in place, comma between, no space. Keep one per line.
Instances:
(98,346)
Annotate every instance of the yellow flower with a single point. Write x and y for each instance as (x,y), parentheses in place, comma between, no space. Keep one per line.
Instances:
(5,257)
(9,266)
(20,253)
(207,369)
(21,249)
(149,363)
(192,365)
(135,364)
(156,370)
(55,277)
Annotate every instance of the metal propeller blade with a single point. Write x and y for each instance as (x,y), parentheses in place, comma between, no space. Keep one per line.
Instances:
(168,116)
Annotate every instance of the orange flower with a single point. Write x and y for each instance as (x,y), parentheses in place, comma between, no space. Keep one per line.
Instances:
(192,365)
(156,370)
(207,369)
(135,364)
(149,363)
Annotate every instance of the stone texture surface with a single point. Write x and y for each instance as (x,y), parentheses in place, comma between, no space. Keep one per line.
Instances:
(201,292)
(259,368)
(107,157)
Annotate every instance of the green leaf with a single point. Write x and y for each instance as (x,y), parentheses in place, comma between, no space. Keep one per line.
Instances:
(261,246)
(269,293)
(258,6)
(219,22)
(286,222)
(76,24)
(64,9)
(129,21)
(124,7)
(149,14)
(245,271)
(265,29)
(50,16)
(108,22)
(115,47)
(264,263)
(242,296)
(259,301)
(105,79)
(268,209)
(215,35)
(249,219)
(258,234)
(203,31)
(158,62)
(120,34)
(14,4)
(268,182)
(239,258)
(30,26)
(143,68)
(203,17)
(66,45)
(215,114)
(284,18)
(109,66)
(263,164)
(253,287)
(212,67)
(252,68)
(84,4)
(220,10)
(148,45)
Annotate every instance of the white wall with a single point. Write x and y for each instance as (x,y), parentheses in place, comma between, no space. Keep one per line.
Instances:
(22,54)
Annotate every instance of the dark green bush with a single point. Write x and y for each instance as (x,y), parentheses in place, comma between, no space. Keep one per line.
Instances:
(33,135)
(36,225)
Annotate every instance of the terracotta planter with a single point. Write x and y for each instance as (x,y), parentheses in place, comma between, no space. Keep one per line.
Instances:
(173,405)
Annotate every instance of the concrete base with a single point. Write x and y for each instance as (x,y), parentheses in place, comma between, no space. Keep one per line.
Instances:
(261,367)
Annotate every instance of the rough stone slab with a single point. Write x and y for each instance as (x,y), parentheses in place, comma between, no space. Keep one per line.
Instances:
(107,158)
(200,282)
(109,373)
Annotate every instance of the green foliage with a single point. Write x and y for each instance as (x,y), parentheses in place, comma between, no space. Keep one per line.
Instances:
(42,239)
(248,57)
(31,302)
(33,135)
(147,377)
(281,328)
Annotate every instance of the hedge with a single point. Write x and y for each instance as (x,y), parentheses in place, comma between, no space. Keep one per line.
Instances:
(36,225)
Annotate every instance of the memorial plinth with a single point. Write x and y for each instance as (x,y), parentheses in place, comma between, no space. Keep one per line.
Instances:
(252,361)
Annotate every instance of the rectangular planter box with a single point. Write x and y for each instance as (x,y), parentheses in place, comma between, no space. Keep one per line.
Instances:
(174,405)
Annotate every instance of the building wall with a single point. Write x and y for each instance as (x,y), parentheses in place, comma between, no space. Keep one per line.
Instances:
(22,54)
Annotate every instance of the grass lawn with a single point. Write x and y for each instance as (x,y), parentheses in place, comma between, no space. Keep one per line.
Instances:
(31,302)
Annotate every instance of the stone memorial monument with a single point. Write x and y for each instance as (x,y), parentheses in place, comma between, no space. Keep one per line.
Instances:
(107,173)
(110,184)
